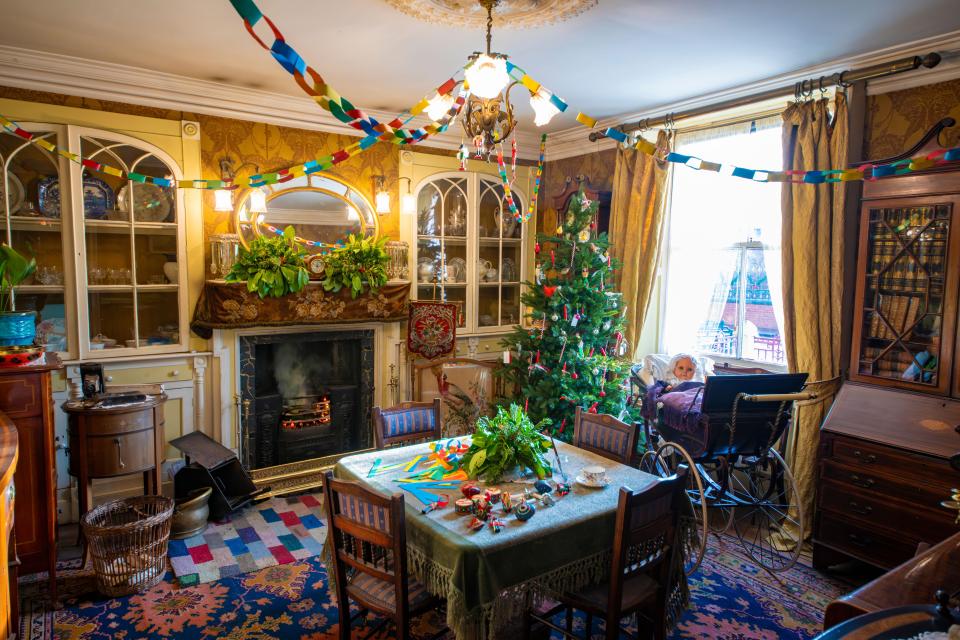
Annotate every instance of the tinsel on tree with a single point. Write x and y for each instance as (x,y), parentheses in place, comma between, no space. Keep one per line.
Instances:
(573,354)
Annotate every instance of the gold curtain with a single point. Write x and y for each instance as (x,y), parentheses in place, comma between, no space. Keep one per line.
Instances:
(813,247)
(636,229)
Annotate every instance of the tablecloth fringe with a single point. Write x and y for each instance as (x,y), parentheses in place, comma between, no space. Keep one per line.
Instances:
(482,622)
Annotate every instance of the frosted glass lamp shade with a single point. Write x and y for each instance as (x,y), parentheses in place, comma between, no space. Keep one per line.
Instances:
(487,76)
(408,206)
(543,108)
(438,106)
(222,200)
(258,201)
(383,202)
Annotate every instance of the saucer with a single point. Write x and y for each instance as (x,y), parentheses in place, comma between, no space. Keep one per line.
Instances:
(593,485)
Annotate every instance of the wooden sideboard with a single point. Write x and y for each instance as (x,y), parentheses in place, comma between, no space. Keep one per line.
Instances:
(883,471)
(26,397)
(9,598)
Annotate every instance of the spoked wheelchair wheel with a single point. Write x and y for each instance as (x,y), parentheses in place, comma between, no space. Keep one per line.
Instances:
(769,531)
(663,462)
(721,503)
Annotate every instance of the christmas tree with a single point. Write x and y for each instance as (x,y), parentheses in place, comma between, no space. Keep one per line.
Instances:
(573,354)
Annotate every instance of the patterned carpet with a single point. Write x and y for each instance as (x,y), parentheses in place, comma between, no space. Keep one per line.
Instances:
(277,531)
(732,599)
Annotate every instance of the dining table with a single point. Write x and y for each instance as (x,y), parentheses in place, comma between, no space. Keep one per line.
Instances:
(488,577)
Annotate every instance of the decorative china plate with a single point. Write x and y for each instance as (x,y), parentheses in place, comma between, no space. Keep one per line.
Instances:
(16,193)
(150,202)
(98,197)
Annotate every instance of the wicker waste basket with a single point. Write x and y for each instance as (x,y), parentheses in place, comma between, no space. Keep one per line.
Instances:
(127,540)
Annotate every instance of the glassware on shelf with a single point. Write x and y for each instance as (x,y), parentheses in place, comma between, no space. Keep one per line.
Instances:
(49,275)
(397,268)
(224,248)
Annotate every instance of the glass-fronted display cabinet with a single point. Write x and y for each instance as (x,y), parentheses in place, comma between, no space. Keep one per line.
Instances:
(470,249)
(32,225)
(905,319)
(107,249)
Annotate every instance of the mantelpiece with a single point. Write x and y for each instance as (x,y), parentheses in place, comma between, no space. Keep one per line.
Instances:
(228,305)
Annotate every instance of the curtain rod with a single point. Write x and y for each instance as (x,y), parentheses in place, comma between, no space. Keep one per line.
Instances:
(798,89)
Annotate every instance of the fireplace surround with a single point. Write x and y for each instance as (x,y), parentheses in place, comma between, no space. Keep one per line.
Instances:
(305,399)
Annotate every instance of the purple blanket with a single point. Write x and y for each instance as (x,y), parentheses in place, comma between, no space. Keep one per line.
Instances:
(680,420)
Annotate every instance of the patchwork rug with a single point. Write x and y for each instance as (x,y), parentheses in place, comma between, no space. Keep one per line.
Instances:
(278,531)
(732,599)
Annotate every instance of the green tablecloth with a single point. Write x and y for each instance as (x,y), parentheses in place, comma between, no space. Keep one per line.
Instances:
(489,578)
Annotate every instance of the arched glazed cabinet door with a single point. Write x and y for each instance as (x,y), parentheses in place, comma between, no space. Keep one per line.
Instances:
(470,249)
(132,248)
(33,224)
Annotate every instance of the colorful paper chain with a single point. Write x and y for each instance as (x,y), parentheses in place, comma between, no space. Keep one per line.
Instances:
(328,98)
(508,194)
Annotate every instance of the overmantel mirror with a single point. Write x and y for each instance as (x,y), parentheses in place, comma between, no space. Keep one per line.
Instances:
(322,210)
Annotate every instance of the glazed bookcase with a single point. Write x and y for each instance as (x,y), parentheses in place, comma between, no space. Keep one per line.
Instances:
(109,251)
(905,321)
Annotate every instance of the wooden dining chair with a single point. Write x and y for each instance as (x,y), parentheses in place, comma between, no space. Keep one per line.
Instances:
(642,569)
(604,435)
(369,550)
(406,423)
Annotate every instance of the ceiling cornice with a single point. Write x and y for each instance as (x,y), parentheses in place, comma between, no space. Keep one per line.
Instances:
(43,71)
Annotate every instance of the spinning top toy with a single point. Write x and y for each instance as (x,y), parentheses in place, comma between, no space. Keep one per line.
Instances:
(524,511)
(476,524)
(470,489)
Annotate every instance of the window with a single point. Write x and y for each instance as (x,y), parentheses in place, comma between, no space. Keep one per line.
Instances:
(723,292)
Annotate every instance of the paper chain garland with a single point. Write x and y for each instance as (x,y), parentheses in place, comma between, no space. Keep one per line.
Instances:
(328,98)
(508,195)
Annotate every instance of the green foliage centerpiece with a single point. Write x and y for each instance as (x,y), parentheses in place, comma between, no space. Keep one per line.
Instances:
(359,264)
(504,441)
(272,265)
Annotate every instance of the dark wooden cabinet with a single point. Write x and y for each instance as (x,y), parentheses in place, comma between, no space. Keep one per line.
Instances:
(26,397)
(885,446)
(884,469)
(110,441)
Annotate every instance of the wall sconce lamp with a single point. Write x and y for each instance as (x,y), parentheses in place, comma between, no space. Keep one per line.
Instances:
(408,202)
(223,198)
(381,196)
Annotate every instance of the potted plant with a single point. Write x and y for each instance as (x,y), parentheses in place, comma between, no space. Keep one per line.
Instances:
(271,265)
(16,327)
(507,440)
(359,264)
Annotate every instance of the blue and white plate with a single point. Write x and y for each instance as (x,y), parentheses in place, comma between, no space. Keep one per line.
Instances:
(98,197)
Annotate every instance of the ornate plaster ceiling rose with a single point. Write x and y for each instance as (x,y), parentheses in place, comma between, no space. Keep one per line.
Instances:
(507,13)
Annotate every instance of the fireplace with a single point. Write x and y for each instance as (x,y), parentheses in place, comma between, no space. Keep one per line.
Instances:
(305,396)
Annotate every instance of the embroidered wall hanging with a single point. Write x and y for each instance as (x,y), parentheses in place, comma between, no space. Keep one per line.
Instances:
(432,328)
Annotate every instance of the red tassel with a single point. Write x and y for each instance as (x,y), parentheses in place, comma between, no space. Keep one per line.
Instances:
(562,425)
(536,248)
(553,259)
(526,404)
(593,408)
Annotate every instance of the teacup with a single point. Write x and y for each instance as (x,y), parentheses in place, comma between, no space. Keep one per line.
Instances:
(595,474)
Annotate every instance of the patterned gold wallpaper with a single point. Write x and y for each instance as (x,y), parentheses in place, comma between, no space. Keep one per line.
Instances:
(268,146)
(596,167)
(897,120)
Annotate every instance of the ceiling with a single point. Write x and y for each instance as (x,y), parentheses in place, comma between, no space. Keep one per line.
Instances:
(622,56)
